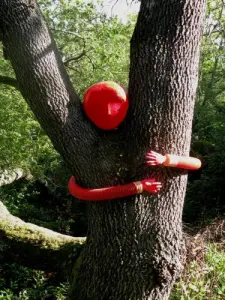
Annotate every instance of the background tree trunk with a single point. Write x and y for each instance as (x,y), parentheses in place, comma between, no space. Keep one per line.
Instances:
(134,245)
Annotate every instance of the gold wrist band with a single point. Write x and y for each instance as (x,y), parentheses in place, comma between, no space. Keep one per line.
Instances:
(139,186)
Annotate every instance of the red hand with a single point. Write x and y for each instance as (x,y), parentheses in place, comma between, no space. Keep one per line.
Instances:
(151,186)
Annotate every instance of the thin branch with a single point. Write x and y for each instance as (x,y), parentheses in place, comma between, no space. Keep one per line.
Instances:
(90,60)
(66,62)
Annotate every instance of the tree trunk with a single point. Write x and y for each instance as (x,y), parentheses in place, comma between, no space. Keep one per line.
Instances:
(134,246)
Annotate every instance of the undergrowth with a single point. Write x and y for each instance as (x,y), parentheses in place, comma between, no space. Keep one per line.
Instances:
(20,283)
(203,280)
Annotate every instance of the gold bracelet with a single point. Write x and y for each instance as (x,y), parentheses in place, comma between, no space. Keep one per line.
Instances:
(139,186)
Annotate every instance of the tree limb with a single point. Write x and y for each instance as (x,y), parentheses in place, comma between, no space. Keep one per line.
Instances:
(9,81)
(75,58)
(45,85)
(8,177)
(34,246)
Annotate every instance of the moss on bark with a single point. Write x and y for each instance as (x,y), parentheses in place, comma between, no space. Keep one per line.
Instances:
(36,247)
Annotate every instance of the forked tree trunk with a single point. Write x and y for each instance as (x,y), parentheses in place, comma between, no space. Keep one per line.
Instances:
(134,246)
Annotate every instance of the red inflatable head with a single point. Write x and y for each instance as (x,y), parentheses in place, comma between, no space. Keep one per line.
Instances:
(106,104)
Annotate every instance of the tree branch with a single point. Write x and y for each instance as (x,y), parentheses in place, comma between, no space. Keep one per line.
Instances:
(34,246)
(45,85)
(8,177)
(67,61)
(9,81)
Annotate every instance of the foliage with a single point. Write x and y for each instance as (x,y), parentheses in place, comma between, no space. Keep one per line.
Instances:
(205,196)
(94,47)
(203,281)
(22,142)
(33,202)
(20,283)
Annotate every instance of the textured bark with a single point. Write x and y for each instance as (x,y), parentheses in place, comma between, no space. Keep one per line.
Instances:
(134,245)
(36,247)
(45,85)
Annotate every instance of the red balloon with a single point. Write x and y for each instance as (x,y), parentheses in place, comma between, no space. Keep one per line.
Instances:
(106,104)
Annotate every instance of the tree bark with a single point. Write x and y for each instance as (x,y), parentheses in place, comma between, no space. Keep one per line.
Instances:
(49,92)
(134,246)
(36,247)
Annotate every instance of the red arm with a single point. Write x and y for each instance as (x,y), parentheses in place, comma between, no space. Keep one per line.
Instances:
(183,162)
(148,185)
(114,192)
